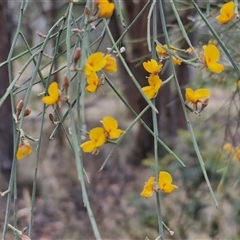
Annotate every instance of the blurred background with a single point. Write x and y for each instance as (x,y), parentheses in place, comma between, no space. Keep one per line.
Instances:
(114,193)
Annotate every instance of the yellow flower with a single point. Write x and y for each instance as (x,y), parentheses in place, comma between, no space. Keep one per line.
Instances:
(197,99)
(105,9)
(24,149)
(210,57)
(155,83)
(54,94)
(148,188)
(152,66)
(95,62)
(93,82)
(226,13)
(111,65)
(229,148)
(177,61)
(161,51)
(236,155)
(196,96)
(165,182)
(97,139)
(110,125)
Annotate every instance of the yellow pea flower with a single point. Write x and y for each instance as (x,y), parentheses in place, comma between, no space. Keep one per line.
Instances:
(161,51)
(148,188)
(95,62)
(198,99)
(165,182)
(152,66)
(110,125)
(111,65)
(24,149)
(54,94)
(195,96)
(97,139)
(177,61)
(236,155)
(154,85)
(210,57)
(226,13)
(93,82)
(229,148)
(105,8)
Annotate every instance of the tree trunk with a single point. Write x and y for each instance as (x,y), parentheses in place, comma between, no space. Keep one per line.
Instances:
(6,121)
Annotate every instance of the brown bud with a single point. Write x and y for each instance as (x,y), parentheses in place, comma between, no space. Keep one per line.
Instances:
(41,34)
(87,11)
(27,112)
(19,108)
(66,84)
(76,57)
(51,117)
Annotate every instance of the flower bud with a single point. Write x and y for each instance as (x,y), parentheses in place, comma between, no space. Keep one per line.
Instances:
(27,112)
(51,117)
(19,108)
(66,84)
(76,57)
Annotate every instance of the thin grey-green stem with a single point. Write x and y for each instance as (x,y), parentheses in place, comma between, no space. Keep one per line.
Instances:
(42,118)
(13,180)
(159,214)
(221,43)
(155,130)
(79,163)
(184,33)
(149,25)
(195,145)
(77,151)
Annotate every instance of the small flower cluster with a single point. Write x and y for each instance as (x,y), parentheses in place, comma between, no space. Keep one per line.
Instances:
(24,147)
(164,184)
(163,53)
(152,67)
(99,135)
(97,62)
(234,151)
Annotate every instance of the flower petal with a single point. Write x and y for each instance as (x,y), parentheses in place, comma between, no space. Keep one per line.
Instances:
(215,67)
(155,82)
(97,135)
(111,65)
(93,82)
(149,91)
(53,94)
(152,66)
(23,151)
(227,13)
(88,146)
(168,188)
(148,188)
(109,123)
(115,133)
(95,62)
(211,53)
(202,93)
(165,177)
(190,95)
